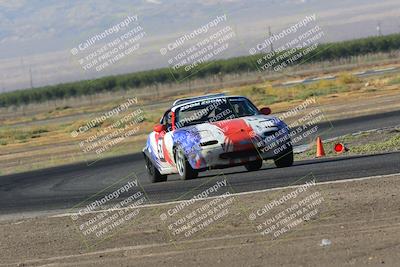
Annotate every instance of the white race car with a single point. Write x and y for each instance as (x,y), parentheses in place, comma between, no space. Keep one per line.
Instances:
(215,131)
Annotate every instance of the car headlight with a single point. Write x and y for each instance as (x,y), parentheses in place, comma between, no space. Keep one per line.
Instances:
(280,124)
(204,135)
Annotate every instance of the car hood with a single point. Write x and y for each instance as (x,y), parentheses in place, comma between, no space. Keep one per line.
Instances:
(236,132)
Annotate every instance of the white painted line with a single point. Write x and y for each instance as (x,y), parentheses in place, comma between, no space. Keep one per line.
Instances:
(329,77)
(293,82)
(301,148)
(386,69)
(359,73)
(238,194)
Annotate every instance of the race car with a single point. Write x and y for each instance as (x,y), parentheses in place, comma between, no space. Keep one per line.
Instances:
(215,131)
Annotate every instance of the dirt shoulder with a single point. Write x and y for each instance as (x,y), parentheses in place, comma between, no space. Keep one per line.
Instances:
(359,222)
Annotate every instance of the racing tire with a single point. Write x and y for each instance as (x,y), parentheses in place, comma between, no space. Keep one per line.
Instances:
(183,166)
(285,160)
(154,175)
(253,165)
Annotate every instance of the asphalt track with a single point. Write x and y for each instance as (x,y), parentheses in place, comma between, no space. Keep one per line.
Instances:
(66,186)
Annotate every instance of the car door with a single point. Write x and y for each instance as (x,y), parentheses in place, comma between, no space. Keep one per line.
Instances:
(164,141)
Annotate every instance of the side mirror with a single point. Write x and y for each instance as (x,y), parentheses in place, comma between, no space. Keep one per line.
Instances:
(158,128)
(265,111)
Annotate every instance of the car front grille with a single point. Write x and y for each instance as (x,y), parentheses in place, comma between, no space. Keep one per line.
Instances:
(239,154)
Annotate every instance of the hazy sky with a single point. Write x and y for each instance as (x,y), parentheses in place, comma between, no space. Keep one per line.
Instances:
(36,36)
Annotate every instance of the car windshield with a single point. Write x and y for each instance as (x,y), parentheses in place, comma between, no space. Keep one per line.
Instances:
(212,110)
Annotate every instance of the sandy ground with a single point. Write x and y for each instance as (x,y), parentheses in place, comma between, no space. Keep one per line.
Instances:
(360,220)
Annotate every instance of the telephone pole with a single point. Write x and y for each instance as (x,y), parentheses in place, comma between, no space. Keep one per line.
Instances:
(30,76)
(270,34)
(378,28)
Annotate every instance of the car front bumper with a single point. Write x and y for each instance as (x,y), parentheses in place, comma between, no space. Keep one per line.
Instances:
(216,157)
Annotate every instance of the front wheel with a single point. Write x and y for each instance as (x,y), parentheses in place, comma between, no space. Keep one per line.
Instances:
(253,165)
(285,160)
(154,175)
(185,171)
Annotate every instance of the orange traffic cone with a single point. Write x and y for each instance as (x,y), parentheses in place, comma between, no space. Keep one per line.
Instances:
(320,148)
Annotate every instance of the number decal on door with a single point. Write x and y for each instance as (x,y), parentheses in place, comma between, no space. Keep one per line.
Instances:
(160,149)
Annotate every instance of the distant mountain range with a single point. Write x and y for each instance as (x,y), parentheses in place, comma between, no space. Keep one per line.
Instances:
(36,36)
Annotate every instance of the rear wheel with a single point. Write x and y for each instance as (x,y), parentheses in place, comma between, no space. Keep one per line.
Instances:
(285,160)
(185,171)
(154,175)
(253,165)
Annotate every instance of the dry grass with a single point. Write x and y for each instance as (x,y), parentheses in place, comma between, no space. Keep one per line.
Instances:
(366,143)
(42,137)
